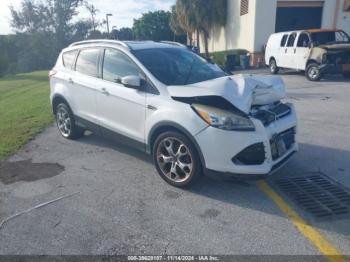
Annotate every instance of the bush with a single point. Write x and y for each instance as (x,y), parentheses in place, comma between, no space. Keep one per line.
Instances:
(220,57)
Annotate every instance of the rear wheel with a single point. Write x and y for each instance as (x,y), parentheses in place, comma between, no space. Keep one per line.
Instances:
(176,159)
(66,123)
(273,67)
(313,72)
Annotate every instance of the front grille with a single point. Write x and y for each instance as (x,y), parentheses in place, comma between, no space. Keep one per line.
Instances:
(282,142)
(268,115)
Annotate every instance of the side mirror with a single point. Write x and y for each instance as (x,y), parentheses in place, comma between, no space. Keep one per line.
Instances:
(310,45)
(131,81)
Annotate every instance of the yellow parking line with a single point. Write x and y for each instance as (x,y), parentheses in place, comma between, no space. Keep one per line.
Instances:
(313,235)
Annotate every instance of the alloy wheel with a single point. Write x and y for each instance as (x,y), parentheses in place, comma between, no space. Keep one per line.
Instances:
(174,159)
(64,122)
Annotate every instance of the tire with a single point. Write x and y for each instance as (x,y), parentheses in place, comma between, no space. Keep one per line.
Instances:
(346,75)
(176,159)
(66,123)
(313,72)
(274,69)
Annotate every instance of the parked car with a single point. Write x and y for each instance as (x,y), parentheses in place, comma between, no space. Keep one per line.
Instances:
(318,52)
(169,102)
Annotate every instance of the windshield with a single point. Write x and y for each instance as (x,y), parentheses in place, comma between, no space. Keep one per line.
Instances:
(327,38)
(176,66)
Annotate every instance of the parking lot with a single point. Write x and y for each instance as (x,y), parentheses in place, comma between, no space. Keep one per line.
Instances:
(121,206)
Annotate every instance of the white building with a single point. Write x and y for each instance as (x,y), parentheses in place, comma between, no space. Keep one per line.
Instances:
(250,22)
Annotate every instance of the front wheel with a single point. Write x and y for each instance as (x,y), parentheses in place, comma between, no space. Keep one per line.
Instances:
(313,72)
(176,159)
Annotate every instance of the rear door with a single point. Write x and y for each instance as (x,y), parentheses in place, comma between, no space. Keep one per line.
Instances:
(302,50)
(121,109)
(83,89)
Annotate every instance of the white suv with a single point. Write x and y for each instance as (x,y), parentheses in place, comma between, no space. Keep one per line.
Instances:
(169,102)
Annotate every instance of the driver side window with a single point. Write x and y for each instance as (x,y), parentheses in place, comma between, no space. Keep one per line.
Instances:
(303,40)
(117,65)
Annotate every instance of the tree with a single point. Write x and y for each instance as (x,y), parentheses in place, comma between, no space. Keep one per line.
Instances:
(93,12)
(179,33)
(123,34)
(185,14)
(153,26)
(202,16)
(44,28)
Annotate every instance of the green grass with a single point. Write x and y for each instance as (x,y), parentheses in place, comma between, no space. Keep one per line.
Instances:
(24,109)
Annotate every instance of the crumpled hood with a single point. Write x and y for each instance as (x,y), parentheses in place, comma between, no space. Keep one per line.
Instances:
(241,90)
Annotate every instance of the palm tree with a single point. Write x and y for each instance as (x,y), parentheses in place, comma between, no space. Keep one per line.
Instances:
(202,16)
(174,22)
(186,17)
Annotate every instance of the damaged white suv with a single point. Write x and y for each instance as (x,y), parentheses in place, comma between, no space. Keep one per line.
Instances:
(169,102)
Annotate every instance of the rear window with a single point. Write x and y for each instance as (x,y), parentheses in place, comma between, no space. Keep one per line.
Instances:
(87,62)
(69,58)
(284,40)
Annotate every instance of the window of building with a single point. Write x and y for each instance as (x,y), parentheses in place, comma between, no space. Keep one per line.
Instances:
(291,40)
(69,58)
(284,40)
(244,7)
(116,65)
(303,40)
(87,62)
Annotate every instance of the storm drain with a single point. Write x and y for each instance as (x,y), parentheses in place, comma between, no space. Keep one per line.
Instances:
(317,194)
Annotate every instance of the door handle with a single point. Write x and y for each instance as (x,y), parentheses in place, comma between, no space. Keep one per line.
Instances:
(104,91)
(70,80)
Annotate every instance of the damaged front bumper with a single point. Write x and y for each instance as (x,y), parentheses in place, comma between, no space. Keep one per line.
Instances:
(334,68)
(250,154)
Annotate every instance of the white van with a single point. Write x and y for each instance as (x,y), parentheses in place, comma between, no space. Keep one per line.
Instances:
(316,51)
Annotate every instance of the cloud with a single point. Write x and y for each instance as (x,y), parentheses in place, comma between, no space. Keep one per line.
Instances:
(124,11)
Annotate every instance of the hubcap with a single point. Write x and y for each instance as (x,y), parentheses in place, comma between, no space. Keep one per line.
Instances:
(63,121)
(174,159)
(313,73)
(273,66)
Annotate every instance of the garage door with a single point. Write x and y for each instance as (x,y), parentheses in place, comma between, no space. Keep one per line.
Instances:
(298,15)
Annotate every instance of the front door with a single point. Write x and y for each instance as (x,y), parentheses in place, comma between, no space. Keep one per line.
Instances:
(121,109)
(289,52)
(302,50)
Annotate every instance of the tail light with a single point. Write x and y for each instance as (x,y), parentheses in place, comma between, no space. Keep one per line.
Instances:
(52,73)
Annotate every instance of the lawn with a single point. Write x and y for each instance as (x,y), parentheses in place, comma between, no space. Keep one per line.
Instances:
(24,109)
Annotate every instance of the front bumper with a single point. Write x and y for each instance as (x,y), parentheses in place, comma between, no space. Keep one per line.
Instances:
(334,69)
(219,147)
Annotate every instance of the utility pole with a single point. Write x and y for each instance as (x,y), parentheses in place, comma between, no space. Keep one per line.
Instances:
(108,15)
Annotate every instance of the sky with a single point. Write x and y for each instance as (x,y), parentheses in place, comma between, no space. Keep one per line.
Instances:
(124,11)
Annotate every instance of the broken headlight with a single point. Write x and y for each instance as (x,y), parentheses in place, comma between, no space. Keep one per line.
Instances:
(223,119)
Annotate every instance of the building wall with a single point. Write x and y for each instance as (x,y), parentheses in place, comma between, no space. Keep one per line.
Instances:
(251,31)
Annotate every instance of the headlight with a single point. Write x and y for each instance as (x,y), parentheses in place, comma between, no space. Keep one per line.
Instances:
(223,119)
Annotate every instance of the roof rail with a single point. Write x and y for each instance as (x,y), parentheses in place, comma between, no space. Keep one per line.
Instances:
(100,41)
(173,43)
